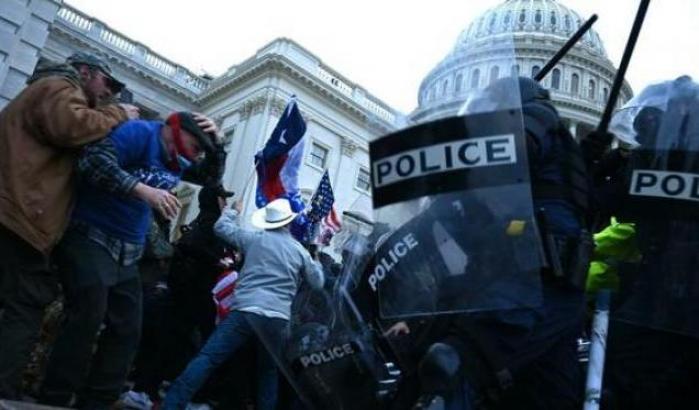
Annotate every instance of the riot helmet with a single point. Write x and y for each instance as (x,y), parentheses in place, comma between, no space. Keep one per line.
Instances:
(663,116)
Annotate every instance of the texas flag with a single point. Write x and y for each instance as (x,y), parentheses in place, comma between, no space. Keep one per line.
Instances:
(279,161)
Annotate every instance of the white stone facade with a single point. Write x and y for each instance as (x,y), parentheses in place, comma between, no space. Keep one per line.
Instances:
(24,27)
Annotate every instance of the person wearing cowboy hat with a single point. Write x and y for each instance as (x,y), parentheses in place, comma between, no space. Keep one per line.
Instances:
(268,281)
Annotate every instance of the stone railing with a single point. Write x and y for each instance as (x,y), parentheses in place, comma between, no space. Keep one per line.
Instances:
(75,18)
(355,94)
(134,51)
(306,60)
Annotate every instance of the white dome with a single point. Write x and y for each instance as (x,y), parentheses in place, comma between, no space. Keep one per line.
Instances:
(530,16)
(537,29)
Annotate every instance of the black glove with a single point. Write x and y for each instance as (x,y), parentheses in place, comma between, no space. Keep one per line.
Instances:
(595,145)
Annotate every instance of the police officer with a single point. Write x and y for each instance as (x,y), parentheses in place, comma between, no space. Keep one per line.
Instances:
(653,345)
(527,358)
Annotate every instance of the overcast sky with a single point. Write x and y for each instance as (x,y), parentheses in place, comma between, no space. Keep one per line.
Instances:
(386,46)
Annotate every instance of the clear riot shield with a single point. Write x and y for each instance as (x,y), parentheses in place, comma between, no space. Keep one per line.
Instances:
(659,286)
(329,355)
(455,227)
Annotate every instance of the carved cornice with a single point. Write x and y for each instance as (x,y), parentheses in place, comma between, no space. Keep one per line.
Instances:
(278,64)
(252,106)
(348,147)
(277,106)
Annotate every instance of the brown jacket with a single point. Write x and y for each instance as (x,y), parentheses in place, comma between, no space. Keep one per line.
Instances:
(41,131)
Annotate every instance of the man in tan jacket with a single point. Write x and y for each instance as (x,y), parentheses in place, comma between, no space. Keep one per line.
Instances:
(41,132)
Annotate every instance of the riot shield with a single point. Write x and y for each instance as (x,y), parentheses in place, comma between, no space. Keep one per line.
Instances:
(329,355)
(453,199)
(660,287)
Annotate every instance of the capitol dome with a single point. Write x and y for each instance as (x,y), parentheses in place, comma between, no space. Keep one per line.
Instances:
(579,84)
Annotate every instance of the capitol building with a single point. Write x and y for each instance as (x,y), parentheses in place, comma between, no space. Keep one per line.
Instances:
(536,29)
(342,116)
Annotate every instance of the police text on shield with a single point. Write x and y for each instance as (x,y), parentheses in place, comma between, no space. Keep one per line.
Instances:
(387,262)
(664,184)
(328,355)
(450,156)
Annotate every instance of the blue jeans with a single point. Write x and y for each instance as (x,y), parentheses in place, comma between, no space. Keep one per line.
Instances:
(231,334)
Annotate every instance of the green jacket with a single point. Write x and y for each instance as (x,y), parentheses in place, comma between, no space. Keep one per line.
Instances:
(613,245)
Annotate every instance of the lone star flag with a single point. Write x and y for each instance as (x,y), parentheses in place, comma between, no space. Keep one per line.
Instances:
(278,163)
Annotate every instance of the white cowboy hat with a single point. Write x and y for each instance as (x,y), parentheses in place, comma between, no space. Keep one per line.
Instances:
(275,215)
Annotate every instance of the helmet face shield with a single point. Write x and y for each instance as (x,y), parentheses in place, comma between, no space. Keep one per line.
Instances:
(663,116)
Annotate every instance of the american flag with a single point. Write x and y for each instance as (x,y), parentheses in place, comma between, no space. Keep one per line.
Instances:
(323,219)
(329,226)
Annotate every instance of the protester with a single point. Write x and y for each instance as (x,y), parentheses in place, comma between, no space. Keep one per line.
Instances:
(181,310)
(98,255)
(41,131)
(269,279)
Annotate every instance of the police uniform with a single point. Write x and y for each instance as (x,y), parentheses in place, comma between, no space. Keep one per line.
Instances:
(653,350)
(527,358)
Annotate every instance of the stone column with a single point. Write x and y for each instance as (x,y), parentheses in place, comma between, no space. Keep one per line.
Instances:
(24,27)
(345,164)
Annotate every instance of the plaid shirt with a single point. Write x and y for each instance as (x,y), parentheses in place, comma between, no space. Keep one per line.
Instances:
(99,165)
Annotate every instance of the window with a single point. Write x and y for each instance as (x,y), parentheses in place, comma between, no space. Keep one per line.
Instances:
(494,73)
(522,16)
(535,70)
(319,155)
(363,179)
(592,90)
(491,24)
(475,78)
(566,21)
(538,17)
(605,94)
(553,18)
(445,84)
(514,71)
(508,17)
(556,79)
(457,83)
(575,84)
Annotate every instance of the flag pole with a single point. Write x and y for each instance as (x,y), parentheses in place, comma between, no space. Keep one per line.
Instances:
(598,345)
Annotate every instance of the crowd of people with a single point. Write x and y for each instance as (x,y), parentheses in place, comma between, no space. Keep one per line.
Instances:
(86,190)
(137,321)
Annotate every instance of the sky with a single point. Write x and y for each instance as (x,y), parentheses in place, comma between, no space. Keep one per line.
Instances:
(385,46)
